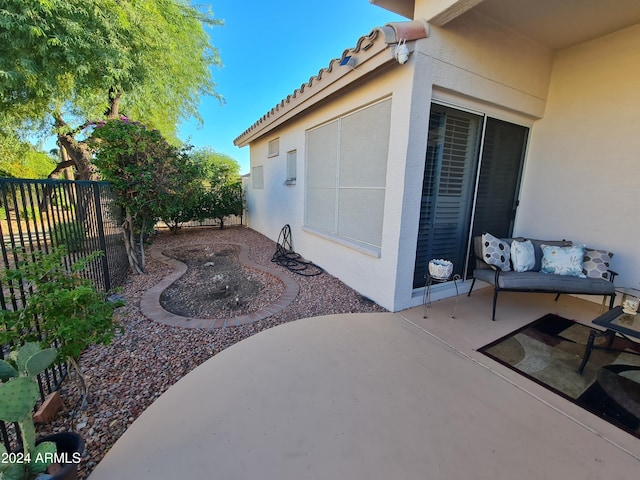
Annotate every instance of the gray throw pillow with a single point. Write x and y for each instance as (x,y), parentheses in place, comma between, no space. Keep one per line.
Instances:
(595,263)
(496,252)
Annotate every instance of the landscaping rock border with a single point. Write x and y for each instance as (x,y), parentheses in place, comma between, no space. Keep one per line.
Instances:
(151,307)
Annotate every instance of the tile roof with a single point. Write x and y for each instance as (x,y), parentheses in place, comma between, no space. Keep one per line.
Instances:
(366,48)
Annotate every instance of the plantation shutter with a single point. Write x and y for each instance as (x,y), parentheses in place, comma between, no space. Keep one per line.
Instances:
(445,212)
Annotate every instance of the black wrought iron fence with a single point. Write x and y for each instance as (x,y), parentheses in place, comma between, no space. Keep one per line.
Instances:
(229,221)
(82,216)
(39,215)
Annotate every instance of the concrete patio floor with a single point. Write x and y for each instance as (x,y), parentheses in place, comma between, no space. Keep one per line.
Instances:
(373,396)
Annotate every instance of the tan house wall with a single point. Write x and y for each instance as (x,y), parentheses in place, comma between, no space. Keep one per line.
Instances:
(582,179)
(278,204)
(440,62)
(479,58)
(580,167)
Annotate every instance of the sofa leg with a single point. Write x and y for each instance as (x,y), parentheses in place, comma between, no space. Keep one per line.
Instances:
(611,302)
(495,300)
(472,284)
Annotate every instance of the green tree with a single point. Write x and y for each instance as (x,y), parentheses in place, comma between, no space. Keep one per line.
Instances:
(224,200)
(222,194)
(66,63)
(216,167)
(147,173)
(20,159)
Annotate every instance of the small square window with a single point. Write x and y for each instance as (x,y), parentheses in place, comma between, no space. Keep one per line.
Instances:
(274,148)
(257,177)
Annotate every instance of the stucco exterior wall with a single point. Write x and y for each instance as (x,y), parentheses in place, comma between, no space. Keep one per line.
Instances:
(278,204)
(477,57)
(471,65)
(582,177)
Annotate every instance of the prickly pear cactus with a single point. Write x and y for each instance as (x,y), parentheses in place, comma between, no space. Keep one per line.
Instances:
(7,371)
(19,394)
(39,361)
(17,399)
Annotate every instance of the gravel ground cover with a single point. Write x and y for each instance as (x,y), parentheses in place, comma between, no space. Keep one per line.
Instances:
(126,376)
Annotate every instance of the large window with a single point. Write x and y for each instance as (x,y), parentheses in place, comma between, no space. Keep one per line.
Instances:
(346,175)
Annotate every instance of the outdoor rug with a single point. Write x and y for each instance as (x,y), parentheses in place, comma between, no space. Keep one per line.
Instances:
(549,352)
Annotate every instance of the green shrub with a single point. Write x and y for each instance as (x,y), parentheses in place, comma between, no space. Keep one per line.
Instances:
(68,309)
(29,213)
(70,235)
(62,202)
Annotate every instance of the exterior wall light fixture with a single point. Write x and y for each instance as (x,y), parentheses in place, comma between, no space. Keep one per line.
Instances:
(401,52)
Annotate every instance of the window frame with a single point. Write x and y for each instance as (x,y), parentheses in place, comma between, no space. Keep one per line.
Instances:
(337,143)
(292,167)
(257,177)
(273,147)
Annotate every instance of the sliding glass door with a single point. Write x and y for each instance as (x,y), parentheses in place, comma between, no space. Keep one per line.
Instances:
(472,172)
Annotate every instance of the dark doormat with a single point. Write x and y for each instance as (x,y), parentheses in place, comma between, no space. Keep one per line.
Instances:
(549,351)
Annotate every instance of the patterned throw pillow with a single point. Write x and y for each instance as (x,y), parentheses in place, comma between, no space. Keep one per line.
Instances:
(523,256)
(596,263)
(495,252)
(562,260)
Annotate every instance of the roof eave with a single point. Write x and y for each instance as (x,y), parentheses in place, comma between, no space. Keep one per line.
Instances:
(372,52)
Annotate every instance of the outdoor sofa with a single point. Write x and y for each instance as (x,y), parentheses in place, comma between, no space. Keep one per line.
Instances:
(545,266)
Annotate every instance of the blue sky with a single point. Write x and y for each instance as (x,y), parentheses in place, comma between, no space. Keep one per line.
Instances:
(268,49)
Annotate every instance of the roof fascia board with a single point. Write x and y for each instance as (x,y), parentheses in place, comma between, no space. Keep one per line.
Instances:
(454,10)
(401,7)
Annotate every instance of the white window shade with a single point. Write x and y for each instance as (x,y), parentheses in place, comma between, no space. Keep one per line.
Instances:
(346,175)
(257,177)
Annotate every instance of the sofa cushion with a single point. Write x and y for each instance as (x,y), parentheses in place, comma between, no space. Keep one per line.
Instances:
(523,256)
(596,263)
(565,261)
(496,252)
(544,282)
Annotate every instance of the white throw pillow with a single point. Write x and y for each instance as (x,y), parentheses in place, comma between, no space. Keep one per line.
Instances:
(523,256)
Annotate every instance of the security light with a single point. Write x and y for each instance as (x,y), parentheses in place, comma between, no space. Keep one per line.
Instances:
(402,52)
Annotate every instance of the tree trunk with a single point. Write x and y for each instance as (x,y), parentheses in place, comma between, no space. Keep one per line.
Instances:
(80,155)
(74,151)
(130,244)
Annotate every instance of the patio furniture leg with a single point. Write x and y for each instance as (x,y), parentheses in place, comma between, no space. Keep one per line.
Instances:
(587,351)
(472,284)
(495,300)
(608,334)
